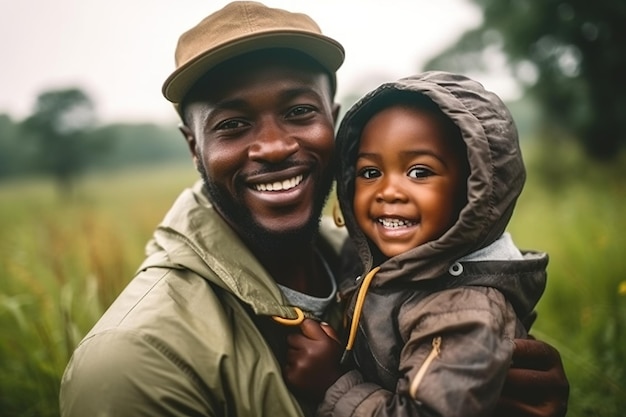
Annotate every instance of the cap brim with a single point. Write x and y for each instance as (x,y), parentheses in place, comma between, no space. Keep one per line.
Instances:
(329,53)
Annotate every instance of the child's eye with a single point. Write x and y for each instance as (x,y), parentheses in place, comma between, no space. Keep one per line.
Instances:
(419,172)
(368,173)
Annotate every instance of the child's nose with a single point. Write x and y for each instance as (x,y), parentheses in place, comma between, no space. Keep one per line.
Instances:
(391,192)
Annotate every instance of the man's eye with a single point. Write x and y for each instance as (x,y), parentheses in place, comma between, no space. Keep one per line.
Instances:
(230,124)
(299,111)
(369,173)
(419,172)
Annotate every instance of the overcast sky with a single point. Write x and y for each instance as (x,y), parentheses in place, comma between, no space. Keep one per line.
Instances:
(121,51)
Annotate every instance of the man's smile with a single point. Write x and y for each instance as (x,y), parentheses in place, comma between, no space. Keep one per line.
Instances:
(279,185)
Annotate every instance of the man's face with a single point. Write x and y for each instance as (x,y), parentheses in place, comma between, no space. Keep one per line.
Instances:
(262,136)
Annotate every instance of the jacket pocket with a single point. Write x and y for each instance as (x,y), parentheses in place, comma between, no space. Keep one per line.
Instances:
(434,353)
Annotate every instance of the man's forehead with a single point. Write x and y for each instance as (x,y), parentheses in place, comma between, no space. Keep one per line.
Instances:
(273,71)
(276,88)
(275,58)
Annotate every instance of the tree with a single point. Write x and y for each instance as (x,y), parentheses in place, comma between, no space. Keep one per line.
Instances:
(140,144)
(568,55)
(13,155)
(60,126)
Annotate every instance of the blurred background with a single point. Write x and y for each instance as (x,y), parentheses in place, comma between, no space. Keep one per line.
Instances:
(91,158)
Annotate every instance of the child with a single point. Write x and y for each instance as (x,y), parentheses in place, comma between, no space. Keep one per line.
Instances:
(429,173)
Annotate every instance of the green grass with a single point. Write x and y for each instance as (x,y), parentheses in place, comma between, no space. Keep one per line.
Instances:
(62,262)
(574,210)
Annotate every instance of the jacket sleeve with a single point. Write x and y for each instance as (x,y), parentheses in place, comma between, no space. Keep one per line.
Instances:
(454,360)
(124,374)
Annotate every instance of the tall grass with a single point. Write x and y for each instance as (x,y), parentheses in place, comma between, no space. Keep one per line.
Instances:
(574,209)
(63,262)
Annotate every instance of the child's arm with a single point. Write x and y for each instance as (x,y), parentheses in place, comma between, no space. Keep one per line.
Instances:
(535,386)
(453,361)
(313,356)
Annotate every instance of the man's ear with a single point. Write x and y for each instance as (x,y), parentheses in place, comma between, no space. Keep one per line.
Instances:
(190,138)
(336,109)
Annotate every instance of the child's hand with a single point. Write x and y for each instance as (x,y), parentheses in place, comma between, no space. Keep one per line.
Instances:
(312,359)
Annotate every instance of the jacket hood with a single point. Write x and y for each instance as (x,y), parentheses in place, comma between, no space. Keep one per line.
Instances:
(496,168)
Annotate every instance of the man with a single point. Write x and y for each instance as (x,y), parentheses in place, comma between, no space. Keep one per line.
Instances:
(240,258)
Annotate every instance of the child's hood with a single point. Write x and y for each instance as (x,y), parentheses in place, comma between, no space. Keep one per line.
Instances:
(496,177)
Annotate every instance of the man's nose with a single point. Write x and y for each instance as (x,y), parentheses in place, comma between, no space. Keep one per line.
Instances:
(272,143)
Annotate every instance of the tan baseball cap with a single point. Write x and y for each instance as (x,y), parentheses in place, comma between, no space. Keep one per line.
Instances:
(241,27)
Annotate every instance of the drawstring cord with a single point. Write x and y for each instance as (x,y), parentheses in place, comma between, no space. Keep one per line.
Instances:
(299,313)
(338,216)
(358,308)
(291,322)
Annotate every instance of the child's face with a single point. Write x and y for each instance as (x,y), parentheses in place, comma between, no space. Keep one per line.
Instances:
(410,179)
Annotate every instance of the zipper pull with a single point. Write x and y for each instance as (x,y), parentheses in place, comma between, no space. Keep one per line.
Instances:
(434,353)
(437,345)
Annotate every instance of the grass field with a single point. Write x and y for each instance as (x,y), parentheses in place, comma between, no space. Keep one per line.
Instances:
(63,261)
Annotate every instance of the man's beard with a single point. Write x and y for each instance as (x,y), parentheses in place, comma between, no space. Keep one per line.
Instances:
(261,241)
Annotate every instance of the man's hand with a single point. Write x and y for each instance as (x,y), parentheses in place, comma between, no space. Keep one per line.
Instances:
(536,385)
(312,359)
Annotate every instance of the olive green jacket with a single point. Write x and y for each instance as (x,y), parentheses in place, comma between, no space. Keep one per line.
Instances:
(188,336)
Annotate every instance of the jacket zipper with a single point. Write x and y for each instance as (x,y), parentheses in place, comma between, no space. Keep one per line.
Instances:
(434,353)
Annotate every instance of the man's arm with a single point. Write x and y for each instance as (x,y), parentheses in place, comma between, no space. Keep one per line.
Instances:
(121,374)
(536,384)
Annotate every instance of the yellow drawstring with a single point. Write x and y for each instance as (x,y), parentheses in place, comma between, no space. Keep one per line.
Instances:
(291,322)
(337,216)
(360,299)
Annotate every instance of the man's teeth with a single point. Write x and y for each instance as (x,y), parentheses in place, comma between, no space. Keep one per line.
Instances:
(394,223)
(280,185)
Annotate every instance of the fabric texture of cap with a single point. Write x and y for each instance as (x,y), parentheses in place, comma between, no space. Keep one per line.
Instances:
(241,27)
